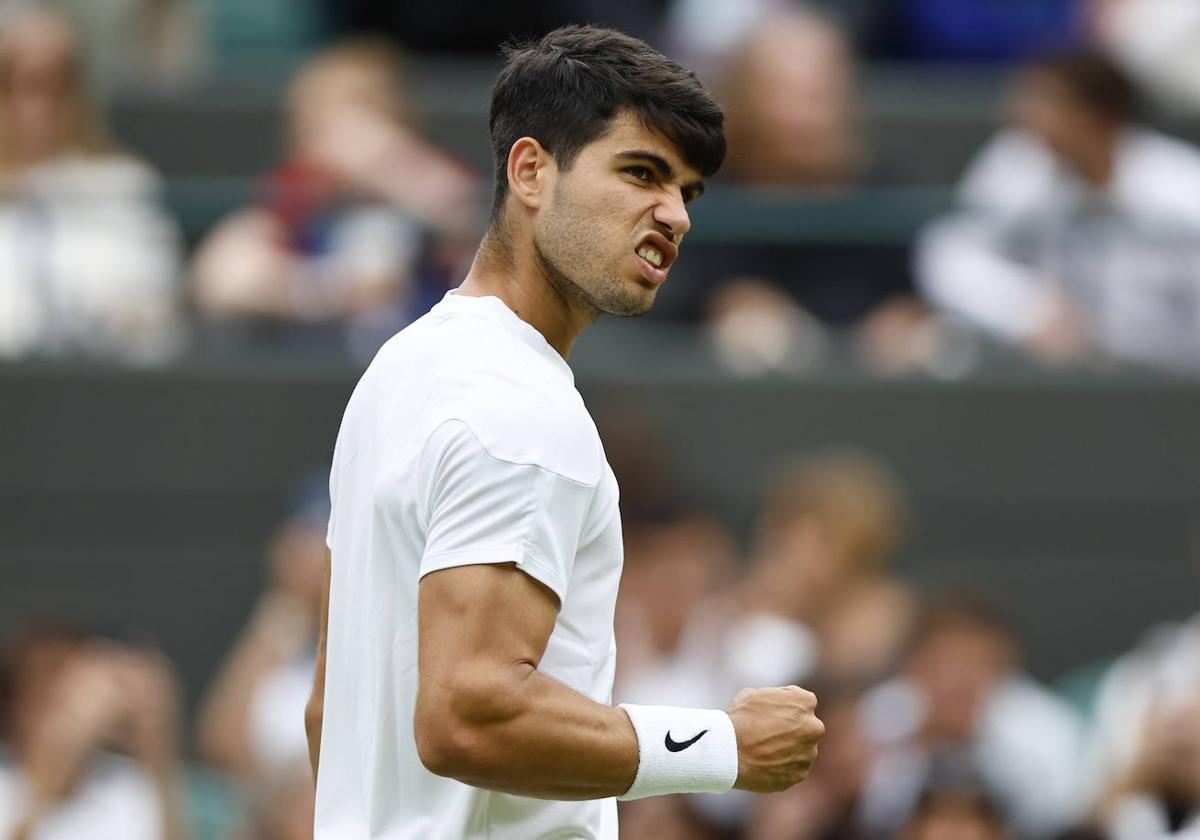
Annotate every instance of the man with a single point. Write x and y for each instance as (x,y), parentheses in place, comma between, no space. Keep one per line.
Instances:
(467,663)
(1080,227)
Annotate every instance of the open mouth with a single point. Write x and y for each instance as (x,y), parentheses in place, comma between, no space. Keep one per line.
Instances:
(655,253)
(651,255)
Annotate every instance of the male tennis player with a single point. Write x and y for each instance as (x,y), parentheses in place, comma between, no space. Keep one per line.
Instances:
(467,662)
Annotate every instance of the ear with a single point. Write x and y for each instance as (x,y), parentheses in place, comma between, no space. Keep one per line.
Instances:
(530,171)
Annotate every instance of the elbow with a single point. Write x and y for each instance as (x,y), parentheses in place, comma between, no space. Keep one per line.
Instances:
(441,751)
(450,747)
(459,732)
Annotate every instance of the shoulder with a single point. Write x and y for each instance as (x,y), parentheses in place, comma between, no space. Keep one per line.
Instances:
(1161,172)
(1012,173)
(517,406)
(520,425)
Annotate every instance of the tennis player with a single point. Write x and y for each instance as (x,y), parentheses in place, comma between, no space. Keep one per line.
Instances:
(463,688)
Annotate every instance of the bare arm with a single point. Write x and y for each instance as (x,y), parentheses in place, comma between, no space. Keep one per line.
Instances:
(314,711)
(277,630)
(487,716)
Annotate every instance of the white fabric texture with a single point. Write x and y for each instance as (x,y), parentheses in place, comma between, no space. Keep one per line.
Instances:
(465,442)
(682,751)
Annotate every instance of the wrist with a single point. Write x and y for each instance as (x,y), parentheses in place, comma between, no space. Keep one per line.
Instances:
(682,751)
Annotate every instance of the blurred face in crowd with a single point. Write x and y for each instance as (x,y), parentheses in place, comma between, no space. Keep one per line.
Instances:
(38,74)
(957,666)
(344,97)
(606,231)
(38,683)
(808,561)
(792,105)
(297,562)
(672,568)
(954,816)
(1045,105)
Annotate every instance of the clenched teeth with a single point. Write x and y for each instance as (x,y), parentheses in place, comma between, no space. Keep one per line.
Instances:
(651,255)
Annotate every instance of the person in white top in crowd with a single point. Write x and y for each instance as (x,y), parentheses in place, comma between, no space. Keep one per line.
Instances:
(92,730)
(465,671)
(963,714)
(88,259)
(1080,228)
(251,722)
(1144,747)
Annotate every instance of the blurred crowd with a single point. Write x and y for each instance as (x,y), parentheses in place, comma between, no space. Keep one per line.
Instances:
(935,730)
(1074,236)
(1073,239)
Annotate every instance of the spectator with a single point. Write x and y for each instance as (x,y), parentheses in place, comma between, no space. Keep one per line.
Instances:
(817,600)
(791,99)
(828,529)
(791,106)
(350,239)
(962,714)
(672,570)
(955,815)
(1144,759)
(251,724)
(88,260)
(147,43)
(92,730)
(1080,229)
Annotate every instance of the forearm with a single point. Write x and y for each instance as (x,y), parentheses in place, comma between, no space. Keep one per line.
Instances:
(533,737)
(277,630)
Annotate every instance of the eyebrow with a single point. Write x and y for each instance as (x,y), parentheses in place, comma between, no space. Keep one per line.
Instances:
(664,168)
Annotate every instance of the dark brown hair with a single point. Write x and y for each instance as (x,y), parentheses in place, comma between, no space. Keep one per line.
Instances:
(564,89)
(1095,80)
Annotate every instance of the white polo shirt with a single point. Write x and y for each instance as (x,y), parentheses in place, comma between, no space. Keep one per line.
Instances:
(465,442)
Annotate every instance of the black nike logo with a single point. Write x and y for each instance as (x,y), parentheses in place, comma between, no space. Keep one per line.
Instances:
(676,746)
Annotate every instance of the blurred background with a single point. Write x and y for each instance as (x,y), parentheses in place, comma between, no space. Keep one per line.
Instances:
(913,424)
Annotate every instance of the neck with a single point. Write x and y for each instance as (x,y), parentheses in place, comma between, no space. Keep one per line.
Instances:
(518,278)
(1097,164)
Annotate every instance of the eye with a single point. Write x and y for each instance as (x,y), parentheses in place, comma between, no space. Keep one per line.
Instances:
(642,173)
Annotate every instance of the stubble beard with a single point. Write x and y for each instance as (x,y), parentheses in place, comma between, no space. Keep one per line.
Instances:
(605,291)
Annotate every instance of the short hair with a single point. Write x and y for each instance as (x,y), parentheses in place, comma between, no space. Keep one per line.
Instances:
(1096,80)
(563,90)
(961,608)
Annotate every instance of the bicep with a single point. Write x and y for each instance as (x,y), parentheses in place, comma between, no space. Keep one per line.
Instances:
(480,617)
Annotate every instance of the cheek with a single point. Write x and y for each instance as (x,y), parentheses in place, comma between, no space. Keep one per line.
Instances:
(592,232)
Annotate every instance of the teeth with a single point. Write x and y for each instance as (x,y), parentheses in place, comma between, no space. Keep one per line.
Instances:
(651,255)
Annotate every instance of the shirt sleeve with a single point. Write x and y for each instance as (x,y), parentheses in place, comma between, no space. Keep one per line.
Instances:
(483,509)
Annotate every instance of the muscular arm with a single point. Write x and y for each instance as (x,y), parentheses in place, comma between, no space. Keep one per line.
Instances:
(487,716)
(314,711)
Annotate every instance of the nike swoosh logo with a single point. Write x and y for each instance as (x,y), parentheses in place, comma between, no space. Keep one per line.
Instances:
(676,746)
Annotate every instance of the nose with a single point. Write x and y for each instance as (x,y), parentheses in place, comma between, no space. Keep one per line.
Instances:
(672,213)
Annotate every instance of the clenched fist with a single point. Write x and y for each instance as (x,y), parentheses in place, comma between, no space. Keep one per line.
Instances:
(777,732)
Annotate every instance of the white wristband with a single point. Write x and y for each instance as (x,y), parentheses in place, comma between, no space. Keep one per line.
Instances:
(682,751)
